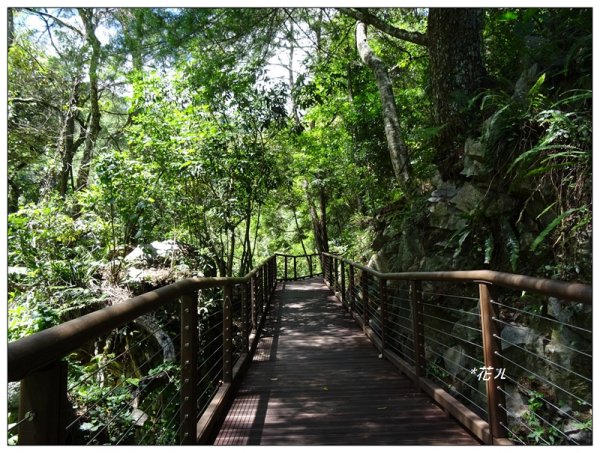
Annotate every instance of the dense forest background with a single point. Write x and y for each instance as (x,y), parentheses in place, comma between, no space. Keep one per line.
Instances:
(413,139)
(150,144)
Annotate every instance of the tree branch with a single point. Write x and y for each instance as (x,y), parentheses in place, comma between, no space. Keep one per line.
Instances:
(396,146)
(56,19)
(362,15)
(34,101)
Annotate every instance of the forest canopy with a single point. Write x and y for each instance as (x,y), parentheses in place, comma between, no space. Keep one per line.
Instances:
(146,145)
(424,139)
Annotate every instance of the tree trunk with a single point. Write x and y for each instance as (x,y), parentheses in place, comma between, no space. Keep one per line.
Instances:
(299,231)
(323,203)
(11,27)
(396,146)
(94,123)
(67,146)
(319,225)
(456,72)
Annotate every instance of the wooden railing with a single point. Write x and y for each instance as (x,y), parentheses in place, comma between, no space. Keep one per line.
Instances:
(296,267)
(406,321)
(215,346)
(218,321)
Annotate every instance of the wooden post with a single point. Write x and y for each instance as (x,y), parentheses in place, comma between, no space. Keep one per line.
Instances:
(227,343)
(273,273)
(285,266)
(364,277)
(383,301)
(351,287)
(274,264)
(259,295)
(495,397)
(253,304)
(43,401)
(265,286)
(343,295)
(295,273)
(245,318)
(189,362)
(416,303)
(310,267)
(336,285)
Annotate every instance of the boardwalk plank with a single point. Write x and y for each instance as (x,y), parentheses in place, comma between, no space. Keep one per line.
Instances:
(317,380)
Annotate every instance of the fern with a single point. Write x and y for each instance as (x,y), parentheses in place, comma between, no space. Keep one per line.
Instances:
(488,249)
(512,244)
(551,226)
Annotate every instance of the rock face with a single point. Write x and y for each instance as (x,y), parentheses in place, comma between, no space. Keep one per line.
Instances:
(156,251)
(518,335)
(152,265)
(454,360)
(14,393)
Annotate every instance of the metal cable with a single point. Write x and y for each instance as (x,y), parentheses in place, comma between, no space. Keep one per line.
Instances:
(476,299)
(543,399)
(133,425)
(543,317)
(408,329)
(515,436)
(464,369)
(543,379)
(445,345)
(115,415)
(537,337)
(461,311)
(452,322)
(453,336)
(109,393)
(463,396)
(85,377)
(518,419)
(544,359)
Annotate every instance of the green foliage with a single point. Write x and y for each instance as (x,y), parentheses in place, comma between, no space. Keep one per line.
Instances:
(198,144)
(60,256)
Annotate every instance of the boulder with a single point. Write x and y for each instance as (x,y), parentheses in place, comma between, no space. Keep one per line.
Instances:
(518,335)
(14,394)
(155,251)
(516,403)
(445,191)
(574,432)
(446,217)
(464,328)
(165,249)
(475,150)
(467,198)
(454,360)
(378,262)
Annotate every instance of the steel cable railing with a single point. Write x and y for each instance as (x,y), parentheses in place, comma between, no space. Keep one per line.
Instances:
(124,381)
(487,352)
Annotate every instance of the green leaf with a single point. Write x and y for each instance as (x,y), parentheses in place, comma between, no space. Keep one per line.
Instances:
(537,85)
(489,249)
(512,244)
(538,240)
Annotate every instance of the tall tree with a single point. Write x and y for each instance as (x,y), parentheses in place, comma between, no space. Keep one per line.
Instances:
(396,146)
(90,22)
(454,41)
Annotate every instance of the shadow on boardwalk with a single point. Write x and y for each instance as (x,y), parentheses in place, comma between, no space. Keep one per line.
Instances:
(317,380)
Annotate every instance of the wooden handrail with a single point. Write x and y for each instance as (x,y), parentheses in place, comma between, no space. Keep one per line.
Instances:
(35,351)
(578,292)
(495,429)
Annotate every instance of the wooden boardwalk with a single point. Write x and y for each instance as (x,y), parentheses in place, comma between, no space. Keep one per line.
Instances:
(317,380)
